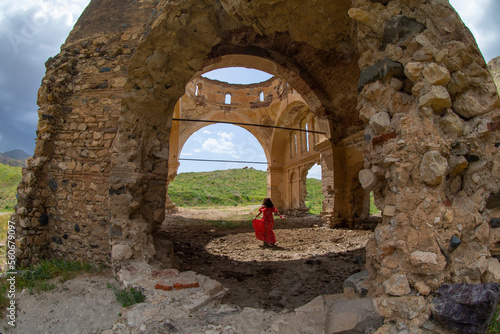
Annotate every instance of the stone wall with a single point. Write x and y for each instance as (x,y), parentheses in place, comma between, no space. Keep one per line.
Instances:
(63,197)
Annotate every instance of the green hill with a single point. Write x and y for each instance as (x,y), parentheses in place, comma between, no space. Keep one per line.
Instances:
(9,180)
(230,187)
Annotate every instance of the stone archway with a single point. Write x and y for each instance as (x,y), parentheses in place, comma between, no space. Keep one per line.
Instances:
(408,76)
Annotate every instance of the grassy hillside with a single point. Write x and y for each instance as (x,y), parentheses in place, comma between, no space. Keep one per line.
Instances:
(9,179)
(230,187)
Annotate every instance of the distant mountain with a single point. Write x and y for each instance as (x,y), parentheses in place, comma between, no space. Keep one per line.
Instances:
(16,154)
(15,158)
(494,68)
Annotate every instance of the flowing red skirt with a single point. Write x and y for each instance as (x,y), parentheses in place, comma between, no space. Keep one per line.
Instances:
(264,231)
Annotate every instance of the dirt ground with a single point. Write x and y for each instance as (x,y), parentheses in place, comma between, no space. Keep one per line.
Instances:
(309,261)
(219,243)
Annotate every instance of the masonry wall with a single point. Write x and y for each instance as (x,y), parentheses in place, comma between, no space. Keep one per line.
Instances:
(63,197)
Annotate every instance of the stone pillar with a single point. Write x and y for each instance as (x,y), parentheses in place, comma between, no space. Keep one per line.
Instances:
(276,182)
(430,106)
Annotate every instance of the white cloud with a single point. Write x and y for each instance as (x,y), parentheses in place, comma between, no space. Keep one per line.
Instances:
(218,145)
(206,132)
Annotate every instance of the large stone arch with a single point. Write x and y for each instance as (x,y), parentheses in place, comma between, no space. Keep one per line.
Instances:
(408,74)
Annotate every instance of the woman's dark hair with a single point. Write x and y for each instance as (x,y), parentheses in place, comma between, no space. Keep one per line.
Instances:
(268,203)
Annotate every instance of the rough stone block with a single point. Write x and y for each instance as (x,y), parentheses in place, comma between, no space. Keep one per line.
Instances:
(367,179)
(438,99)
(433,168)
(358,283)
(399,28)
(413,70)
(452,124)
(465,308)
(379,122)
(436,75)
(492,274)
(353,316)
(121,252)
(397,285)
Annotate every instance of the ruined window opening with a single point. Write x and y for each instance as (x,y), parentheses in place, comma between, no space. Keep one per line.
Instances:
(197,90)
(307,138)
(313,197)
(227,99)
(373,208)
(295,142)
(261,96)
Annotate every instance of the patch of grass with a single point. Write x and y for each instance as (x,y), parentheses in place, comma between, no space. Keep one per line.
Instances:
(494,327)
(373,209)
(232,187)
(314,197)
(127,297)
(40,277)
(9,180)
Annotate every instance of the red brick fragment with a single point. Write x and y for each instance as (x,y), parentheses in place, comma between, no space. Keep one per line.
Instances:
(447,202)
(159,286)
(383,138)
(180,286)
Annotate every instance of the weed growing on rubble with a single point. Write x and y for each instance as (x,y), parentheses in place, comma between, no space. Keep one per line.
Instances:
(41,277)
(494,327)
(127,297)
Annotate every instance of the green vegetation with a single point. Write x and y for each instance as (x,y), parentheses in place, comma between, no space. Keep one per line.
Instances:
(231,187)
(9,179)
(41,277)
(373,209)
(222,187)
(314,198)
(494,327)
(127,297)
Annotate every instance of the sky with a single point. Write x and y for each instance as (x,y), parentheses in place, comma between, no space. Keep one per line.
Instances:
(31,31)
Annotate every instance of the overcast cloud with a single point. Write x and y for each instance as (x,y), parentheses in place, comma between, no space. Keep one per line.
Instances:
(31,31)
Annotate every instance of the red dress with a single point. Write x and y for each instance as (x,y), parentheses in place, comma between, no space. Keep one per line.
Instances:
(264,227)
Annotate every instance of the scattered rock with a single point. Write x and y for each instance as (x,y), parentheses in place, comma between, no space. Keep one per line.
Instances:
(353,316)
(433,168)
(397,285)
(465,308)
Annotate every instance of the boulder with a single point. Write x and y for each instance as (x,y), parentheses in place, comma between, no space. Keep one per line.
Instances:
(465,308)
(353,316)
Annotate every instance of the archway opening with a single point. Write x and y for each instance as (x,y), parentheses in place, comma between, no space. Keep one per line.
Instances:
(314,197)
(220,165)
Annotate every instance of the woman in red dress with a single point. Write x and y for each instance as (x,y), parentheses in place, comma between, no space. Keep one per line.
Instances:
(264,227)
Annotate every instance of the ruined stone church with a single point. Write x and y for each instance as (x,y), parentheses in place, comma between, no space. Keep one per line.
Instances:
(393,96)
